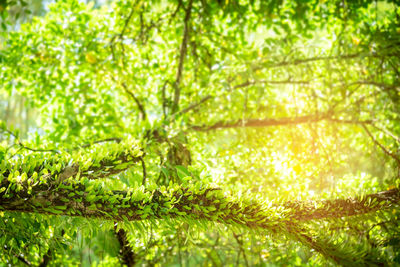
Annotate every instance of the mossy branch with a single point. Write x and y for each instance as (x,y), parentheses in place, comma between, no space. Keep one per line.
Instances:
(89,199)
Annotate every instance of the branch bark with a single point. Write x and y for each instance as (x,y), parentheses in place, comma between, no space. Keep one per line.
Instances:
(312,59)
(137,101)
(128,257)
(386,151)
(276,122)
(247,83)
(182,55)
(184,203)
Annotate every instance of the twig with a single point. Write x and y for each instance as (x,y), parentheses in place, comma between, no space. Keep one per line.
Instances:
(144,170)
(312,59)
(138,103)
(121,34)
(240,243)
(180,4)
(349,121)
(48,256)
(247,83)
(373,83)
(195,105)
(397,139)
(20,144)
(131,94)
(20,258)
(116,139)
(387,152)
(164,99)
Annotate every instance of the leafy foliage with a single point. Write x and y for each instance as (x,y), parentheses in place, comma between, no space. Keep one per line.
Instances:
(201,133)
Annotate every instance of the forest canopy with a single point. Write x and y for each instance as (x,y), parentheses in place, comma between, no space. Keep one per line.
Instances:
(199,133)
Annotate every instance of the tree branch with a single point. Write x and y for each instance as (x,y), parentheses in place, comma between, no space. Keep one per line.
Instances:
(131,94)
(116,139)
(387,132)
(276,122)
(128,257)
(138,103)
(195,105)
(312,59)
(21,145)
(20,257)
(183,51)
(58,169)
(247,83)
(127,20)
(387,152)
(120,37)
(377,84)
(240,244)
(144,171)
(121,34)
(187,203)
(164,98)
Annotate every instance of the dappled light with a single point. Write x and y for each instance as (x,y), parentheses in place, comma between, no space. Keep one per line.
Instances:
(199,133)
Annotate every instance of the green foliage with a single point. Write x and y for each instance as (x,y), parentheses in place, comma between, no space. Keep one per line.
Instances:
(200,133)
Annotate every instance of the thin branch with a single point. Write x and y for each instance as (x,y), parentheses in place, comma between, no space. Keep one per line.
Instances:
(131,94)
(276,122)
(195,105)
(312,59)
(21,145)
(116,139)
(121,35)
(377,84)
(20,258)
(240,243)
(144,171)
(138,103)
(183,52)
(349,121)
(247,83)
(178,7)
(38,150)
(387,132)
(49,255)
(164,98)
(259,123)
(387,152)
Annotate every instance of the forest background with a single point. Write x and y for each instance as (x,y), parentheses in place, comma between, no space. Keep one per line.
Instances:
(199,133)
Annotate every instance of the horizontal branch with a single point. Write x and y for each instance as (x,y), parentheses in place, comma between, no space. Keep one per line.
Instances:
(247,83)
(88,199)
(99,162)
(276,122)
(295,62)
(377,84)
(338,208)
(23,146)
(111,139)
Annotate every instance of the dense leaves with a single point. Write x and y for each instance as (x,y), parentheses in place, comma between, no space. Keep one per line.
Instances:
(200,133)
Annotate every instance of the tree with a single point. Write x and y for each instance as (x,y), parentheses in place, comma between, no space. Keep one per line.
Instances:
(202,133)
